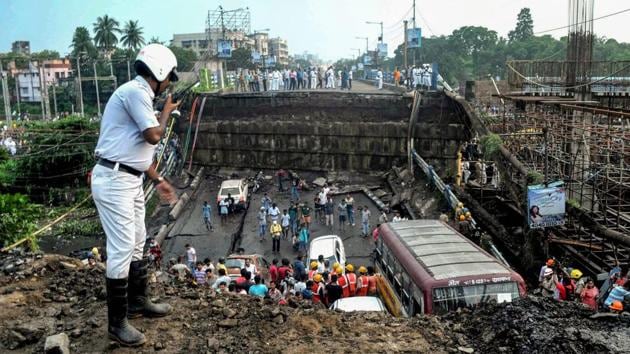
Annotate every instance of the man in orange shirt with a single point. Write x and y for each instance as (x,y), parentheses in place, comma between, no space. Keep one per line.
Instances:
(396,77)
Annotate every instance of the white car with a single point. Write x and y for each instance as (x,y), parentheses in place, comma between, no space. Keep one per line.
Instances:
(330,246)
(359,303)
(237,189)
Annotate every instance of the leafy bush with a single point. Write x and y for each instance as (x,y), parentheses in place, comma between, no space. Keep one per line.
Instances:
(490,144)
(18,217)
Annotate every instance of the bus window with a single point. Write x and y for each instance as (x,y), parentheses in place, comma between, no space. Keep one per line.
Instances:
(449,299)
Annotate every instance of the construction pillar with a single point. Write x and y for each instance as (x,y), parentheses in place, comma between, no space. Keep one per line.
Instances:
(80,85)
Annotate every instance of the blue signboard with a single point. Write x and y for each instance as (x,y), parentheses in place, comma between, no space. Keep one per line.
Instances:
(224,49)
(414,37)
(545,205)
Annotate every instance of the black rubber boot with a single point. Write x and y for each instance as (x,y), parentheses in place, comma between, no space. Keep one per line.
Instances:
(118,328)
(140,303)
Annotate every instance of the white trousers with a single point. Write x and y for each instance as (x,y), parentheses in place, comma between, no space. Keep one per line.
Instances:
(119,198)
(380,83)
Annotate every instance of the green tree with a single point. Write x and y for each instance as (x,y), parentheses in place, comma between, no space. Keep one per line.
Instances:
(524,26)
(476,42)
(241,58)
(18,217)
(45,55)
(156,40)
(132,36)
(185,58)
(105,30)
(82,43)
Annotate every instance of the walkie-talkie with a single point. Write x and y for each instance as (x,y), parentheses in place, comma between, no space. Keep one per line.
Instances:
(177,96)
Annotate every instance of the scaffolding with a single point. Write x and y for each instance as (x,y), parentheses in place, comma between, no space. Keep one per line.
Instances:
(220,22)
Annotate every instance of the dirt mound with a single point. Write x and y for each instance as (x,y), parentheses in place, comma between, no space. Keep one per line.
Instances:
(44,295)
(538,325)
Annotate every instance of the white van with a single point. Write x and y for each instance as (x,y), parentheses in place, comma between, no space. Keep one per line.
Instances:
(237,188)
(329,246)
(359,303)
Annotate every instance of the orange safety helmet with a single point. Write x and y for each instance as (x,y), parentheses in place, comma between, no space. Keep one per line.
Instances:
(616,306)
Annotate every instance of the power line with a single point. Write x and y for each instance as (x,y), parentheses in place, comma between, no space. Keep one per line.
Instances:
(579,23)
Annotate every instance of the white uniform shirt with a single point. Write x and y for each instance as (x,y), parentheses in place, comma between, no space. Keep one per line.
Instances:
(127,114)
(350,74)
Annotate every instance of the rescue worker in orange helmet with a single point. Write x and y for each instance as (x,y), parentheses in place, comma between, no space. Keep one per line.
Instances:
(313,270)
(318,288)
(363,284)
(351,280)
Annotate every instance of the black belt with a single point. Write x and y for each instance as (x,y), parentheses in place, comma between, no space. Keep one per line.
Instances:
(121,167)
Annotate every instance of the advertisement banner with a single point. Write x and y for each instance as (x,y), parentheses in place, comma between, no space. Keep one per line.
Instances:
(224,49)
(367,60)
(414,37)
(255,57)
(545,205)
(270,61)
(382,50)
(360,66)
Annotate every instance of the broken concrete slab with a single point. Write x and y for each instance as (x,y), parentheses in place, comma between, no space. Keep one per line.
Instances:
(179,206)
(57,344)
(319,181)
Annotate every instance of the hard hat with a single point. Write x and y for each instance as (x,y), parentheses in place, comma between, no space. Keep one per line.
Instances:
(338,269)
(467,213)
(550,262)
(362,270)
(462,218)
(314,265)
(460,205)
(616,305)
(317,278)
(262,208)
(576,274)
(335,265)
(160,61)
(548,271)
(350,268)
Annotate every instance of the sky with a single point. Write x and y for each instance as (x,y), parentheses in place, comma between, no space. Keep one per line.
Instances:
(325,27)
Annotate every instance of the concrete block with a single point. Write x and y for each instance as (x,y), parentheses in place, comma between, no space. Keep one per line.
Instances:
(57,344)
(179,206)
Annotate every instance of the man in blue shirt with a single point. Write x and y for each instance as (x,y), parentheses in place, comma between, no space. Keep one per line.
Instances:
(299,269)
(618,293)
(259,289)
(207,212)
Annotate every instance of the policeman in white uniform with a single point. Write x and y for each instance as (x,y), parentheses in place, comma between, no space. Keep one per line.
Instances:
(379,79)
(125,149)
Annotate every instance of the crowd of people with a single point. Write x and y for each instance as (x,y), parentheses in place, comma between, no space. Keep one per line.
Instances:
(474,168)
(286,79)
(285,280)
(566,284)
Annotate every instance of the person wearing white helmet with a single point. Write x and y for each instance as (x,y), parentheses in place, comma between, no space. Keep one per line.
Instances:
(129,134)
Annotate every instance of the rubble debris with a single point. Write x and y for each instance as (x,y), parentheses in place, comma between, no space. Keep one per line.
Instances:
(57,344)
(70,302)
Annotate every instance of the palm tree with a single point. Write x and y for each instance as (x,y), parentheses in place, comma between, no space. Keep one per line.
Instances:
(82,42)
(105,29)
(132,35)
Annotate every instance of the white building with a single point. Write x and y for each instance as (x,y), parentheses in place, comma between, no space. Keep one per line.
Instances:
(30,80)
(197,42)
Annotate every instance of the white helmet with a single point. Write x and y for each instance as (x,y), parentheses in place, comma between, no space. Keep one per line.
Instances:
(160,60)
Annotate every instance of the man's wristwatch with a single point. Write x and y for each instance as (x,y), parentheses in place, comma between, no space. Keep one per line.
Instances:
(158,180)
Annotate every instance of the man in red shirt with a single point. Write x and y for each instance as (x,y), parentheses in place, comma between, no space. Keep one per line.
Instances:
(273,270)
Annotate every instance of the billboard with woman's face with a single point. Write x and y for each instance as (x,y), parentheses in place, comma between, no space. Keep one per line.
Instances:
(545,206)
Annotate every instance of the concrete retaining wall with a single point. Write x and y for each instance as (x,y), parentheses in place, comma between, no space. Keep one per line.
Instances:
(324,131)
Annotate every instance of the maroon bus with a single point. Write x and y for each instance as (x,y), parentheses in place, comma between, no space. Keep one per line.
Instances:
(431,268)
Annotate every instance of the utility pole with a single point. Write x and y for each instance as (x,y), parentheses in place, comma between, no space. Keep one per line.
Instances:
(111,73)
(80,85)
(128,71)
(98,100)
(414,14)
(405,50)
(44,92)
(41,92)
(55,99)
(17,94)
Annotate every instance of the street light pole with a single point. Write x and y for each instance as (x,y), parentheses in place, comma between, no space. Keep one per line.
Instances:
(80,85)
(366,43)
(377,23)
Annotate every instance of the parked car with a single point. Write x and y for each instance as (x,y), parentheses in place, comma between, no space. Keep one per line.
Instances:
(237,189)
(235,262)
(359,303)
(329,246)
